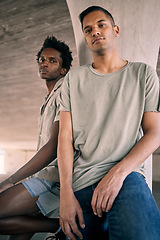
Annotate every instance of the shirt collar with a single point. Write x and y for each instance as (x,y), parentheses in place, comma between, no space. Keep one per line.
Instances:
(57,85)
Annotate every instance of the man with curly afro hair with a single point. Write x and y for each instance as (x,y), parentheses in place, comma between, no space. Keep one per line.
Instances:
(32,205)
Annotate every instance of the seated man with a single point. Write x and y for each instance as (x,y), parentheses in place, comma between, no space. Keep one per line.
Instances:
(25,207)
(109,125)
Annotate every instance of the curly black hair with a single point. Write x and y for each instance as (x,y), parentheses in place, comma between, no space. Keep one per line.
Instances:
(62,47)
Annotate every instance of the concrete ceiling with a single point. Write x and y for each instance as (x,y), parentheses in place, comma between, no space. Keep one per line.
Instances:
(23,27)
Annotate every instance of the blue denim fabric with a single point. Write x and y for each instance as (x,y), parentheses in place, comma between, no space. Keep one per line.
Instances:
(134,214)
(48,193)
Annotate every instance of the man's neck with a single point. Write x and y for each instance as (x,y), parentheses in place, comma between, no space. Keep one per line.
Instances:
(50,85)
(108,63)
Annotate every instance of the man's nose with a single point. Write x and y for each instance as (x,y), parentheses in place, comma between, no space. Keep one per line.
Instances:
(45,62)
(95,31)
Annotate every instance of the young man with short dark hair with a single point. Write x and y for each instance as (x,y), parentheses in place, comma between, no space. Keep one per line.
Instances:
(109,125)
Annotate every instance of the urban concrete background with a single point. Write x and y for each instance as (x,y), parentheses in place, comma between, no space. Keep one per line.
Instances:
(23,27)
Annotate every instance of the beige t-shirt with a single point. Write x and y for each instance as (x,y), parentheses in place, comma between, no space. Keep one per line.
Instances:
(107,111)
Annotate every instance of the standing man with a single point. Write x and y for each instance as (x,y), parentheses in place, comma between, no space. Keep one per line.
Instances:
(109,125)
(25,207)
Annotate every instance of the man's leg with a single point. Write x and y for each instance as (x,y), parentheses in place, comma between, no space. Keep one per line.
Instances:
(21,237)
(95,227)
(27,224)
(19,213)
(134,214)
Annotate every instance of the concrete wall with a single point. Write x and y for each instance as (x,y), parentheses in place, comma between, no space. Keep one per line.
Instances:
(156,165)
(156,155)
(139,23)
(14,159)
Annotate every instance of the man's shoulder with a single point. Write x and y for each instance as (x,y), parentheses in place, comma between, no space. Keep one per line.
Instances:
(141,65)
(144,68)
(79,70)
(137,65)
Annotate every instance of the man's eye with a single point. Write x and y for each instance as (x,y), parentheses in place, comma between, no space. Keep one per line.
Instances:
(52,61)
(49,60)
(102,25)
(41,60)
(88,31)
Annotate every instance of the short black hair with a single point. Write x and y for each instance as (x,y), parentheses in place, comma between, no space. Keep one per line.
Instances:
(93,9)
(62,47)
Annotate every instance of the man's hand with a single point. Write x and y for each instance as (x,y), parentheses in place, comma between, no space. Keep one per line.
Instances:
(70,211)
(106,192)
(5,185)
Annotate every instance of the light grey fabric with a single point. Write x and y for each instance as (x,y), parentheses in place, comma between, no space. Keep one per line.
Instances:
(49,195)
(48,115)
(107,111)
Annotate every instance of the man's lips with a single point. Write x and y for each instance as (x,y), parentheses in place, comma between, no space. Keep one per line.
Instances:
(97,39)
(42,70)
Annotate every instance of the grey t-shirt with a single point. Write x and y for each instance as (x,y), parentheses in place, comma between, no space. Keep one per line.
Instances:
(107,111)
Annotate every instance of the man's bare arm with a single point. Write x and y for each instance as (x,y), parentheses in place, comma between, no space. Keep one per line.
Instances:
(109,187)
(69,206)
(41,159)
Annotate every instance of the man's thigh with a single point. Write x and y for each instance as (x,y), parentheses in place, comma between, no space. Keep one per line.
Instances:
(17,201)
(134,214)
(94,225)
(48,193)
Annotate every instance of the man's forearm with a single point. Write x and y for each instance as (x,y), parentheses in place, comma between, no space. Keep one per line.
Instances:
(112,182)
(65,151)
(65,162)
(41,159)
(140,152)
(69,206)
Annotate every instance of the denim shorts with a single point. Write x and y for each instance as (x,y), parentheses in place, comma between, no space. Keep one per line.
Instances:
(49,195)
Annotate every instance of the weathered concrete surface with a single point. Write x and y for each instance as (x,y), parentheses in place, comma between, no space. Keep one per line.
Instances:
(23,27)
(138,21)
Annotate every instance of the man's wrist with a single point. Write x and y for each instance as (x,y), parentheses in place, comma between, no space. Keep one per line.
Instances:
(119,170)
(11,180)
(66,189)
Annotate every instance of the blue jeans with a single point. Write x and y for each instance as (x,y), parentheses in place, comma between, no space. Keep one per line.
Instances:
(133,216)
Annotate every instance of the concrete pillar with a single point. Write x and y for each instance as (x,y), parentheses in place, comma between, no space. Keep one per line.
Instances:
(139,38)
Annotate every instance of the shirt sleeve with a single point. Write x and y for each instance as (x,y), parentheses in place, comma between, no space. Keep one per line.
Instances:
(57,106)
(57,110)
(64,97)
(152,93)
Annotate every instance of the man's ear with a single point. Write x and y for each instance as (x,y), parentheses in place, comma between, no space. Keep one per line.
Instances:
(63,72)
(116,30)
